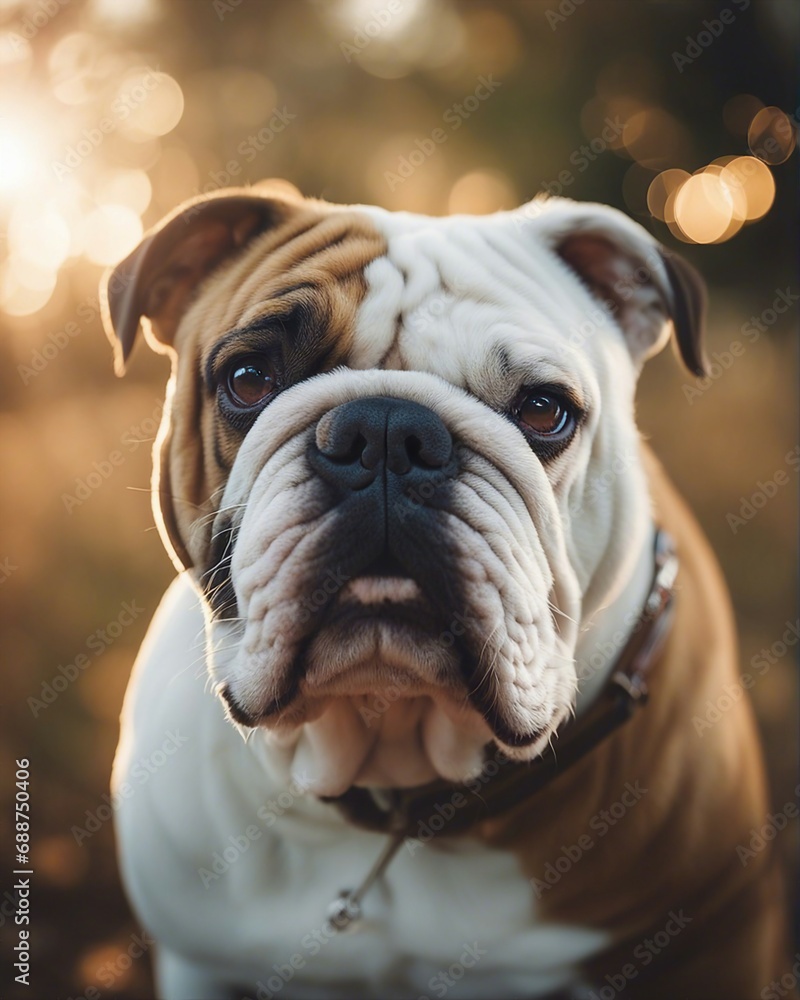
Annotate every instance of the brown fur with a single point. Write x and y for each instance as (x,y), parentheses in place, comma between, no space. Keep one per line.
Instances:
(315,260)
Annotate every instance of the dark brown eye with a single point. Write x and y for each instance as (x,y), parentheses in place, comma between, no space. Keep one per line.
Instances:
(544,413)
(250,380)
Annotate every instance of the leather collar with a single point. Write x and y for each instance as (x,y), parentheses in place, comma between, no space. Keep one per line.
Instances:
(446,808)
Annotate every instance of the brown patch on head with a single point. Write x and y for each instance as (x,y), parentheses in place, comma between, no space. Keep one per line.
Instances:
(227,276)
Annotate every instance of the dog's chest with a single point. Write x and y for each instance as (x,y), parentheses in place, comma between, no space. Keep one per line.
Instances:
(456,913)
(224,860)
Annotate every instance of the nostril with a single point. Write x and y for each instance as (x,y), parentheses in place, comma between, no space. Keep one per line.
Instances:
(345,457)
(345,452)
(425,445)
(432,453)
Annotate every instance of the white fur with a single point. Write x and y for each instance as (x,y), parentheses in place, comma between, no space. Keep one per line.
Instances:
(435,897)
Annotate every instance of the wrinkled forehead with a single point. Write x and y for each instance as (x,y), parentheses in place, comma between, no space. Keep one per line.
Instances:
(474,299)
(483,302)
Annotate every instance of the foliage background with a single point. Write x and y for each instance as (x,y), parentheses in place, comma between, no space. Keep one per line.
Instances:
(235,64)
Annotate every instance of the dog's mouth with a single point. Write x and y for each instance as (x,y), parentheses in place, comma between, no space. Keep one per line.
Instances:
(399,673)
(382,699)
(396,604)
(375,633)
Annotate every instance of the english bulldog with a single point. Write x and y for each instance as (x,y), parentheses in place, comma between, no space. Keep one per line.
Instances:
(419,541)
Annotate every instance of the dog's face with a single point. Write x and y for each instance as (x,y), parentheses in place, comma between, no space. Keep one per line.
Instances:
(381,435)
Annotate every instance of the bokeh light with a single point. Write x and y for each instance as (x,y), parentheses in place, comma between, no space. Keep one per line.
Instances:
(480,192)
(25,293)
(704,208)
(132,188)
(662,191)
(38,234)
(714,203)
(122,15)
(111,956)
(755,181)
(106,150)
(655,138)
(491,33)
(148,104)
(110,232)
(772,135)
(60,861)
(73,64)
(602,115)
(17,158)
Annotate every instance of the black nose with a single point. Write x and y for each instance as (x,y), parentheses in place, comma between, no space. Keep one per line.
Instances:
(364,439)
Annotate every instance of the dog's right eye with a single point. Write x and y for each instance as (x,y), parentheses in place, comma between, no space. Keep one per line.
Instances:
(250,380)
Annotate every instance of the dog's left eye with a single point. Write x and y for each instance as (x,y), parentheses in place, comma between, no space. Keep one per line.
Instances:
(544,412)
(250,381)
(547,417)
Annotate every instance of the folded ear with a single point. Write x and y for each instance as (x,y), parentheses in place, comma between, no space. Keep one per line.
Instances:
(649,289)
(156,282)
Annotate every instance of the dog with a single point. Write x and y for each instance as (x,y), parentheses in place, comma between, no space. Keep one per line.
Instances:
(419,712)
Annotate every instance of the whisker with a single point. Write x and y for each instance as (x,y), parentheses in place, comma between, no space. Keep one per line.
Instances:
(558,611)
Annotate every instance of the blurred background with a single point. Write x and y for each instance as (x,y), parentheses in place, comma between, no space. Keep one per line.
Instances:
(683,114)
